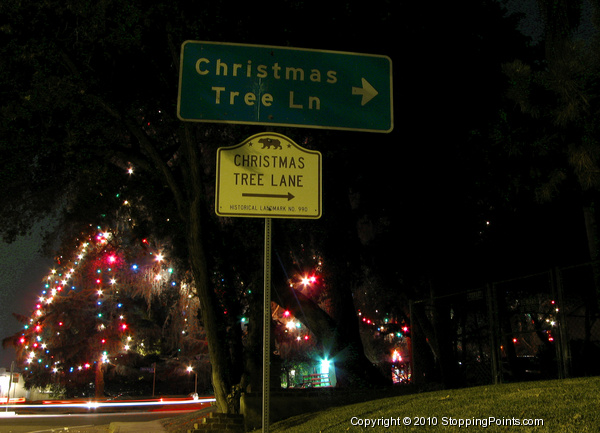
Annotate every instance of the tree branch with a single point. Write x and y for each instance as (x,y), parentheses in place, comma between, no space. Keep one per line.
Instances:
(150,150)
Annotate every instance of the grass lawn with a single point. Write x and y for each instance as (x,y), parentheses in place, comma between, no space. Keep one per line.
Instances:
(571,405)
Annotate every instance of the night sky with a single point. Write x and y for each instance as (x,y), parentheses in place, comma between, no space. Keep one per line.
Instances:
(21,271)
(22,268)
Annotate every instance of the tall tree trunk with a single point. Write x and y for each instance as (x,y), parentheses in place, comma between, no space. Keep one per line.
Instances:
(254,346)
(445,336)
(99,380)
(424,352)
(340,340)
(222,377)
(353,368)
(208,307)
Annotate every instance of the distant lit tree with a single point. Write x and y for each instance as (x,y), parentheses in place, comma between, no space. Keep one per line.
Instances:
(95,314)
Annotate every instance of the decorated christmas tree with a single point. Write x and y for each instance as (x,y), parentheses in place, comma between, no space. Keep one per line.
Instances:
(108,305)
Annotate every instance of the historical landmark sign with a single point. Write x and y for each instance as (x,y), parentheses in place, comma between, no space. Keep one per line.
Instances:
(268,176)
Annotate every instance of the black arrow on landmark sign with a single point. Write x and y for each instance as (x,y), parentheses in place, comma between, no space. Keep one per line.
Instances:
(289,196)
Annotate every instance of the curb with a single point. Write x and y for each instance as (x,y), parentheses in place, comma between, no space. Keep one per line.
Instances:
(136,427)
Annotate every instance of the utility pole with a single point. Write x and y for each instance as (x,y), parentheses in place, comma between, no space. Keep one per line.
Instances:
(12,367)
(153,378)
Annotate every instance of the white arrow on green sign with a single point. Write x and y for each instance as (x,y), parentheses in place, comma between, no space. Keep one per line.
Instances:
(282,86)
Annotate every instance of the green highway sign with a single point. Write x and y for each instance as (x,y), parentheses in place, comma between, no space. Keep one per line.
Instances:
(282,86)
(268,176)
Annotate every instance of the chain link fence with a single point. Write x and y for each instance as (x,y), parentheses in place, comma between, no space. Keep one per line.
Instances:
(539,326)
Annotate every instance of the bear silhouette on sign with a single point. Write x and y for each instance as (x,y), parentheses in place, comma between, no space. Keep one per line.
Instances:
(270,142)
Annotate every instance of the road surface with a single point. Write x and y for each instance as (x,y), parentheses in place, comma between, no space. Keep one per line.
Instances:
(75,423)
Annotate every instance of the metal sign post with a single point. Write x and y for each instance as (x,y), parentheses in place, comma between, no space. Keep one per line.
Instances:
(267,329)
(268,176)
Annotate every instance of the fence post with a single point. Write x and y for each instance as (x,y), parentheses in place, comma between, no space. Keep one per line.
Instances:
(562,347)
(413,376)
(490,296)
